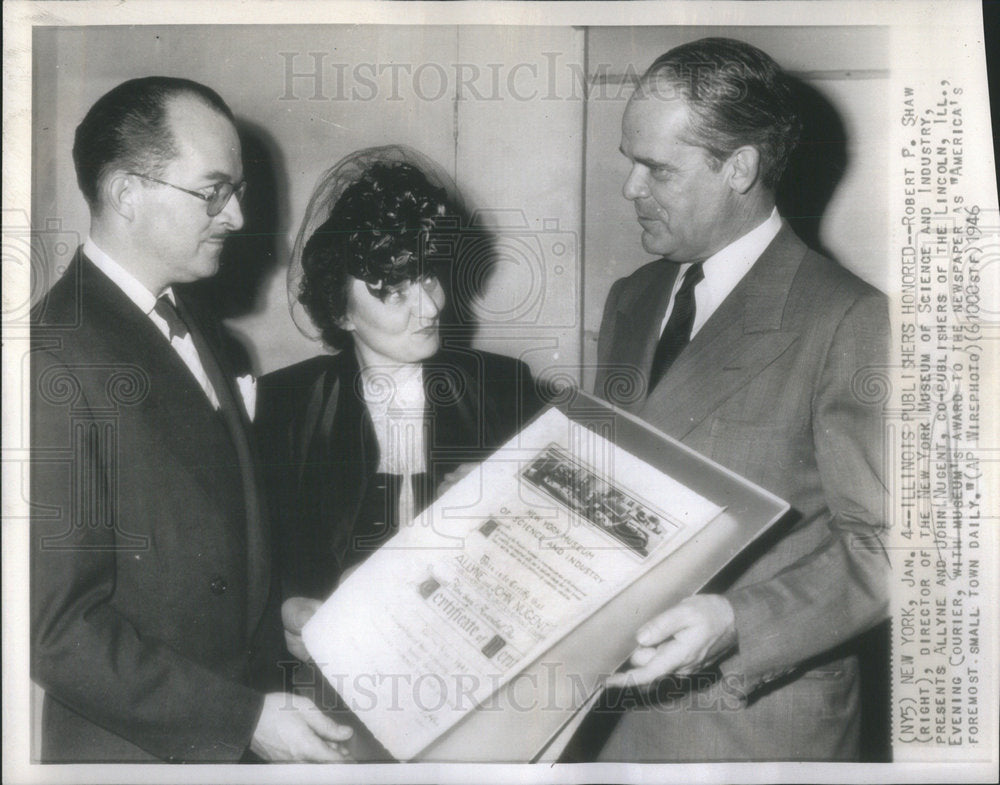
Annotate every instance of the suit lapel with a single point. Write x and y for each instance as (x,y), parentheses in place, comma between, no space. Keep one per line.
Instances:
(637,323)
(179,406)
(347,446)
(455,404)
(740,339)
(313,435)
(218,371)
(134,328)
(238,425)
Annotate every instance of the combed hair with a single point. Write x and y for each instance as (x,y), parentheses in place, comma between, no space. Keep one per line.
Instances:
(127,129)
(385,229)
(737,95)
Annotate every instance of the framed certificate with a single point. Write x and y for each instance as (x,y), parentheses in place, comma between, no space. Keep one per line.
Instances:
(481,629)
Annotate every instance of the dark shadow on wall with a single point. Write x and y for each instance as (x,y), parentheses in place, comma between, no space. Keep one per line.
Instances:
(815,170)
(476,251)
(251,255)
(472,253)
(816,167)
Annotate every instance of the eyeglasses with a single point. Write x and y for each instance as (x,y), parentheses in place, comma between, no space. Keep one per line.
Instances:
(217,200)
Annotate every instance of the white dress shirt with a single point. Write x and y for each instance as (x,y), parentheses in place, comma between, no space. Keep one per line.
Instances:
(723,270)
(396,402)
(146,301)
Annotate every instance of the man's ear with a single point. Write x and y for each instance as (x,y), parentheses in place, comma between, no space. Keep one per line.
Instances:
(120,193)
(744,166)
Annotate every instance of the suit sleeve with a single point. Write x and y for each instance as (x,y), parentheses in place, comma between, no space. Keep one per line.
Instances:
(527,398)
(840,589)
(605,336)
(85,653)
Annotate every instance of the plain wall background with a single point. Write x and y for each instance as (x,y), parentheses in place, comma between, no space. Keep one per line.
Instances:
(501,109)
(514,154)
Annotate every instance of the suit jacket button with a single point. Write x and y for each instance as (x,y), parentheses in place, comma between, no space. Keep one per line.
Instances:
(218,585)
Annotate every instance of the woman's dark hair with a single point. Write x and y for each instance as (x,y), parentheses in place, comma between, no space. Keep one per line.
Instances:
(385,229)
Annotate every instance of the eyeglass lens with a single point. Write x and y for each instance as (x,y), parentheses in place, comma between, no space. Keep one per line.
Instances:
(222,193)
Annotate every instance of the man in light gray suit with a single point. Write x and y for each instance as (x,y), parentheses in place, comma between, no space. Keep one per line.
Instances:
(753,349)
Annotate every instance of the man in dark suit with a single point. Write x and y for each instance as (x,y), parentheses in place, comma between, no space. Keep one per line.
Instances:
(753,351)
(152,607)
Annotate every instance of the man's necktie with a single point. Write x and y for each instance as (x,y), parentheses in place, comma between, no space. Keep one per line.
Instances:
(175,324)
(677,333)
(202,363)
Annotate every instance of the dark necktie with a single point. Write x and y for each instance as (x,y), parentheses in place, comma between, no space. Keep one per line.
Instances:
(175,324)
(677,333)
(178,328)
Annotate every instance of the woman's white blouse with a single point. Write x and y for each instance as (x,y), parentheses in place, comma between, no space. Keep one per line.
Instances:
(395,398)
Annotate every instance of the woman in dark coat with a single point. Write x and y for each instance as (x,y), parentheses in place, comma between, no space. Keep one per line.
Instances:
(356,443)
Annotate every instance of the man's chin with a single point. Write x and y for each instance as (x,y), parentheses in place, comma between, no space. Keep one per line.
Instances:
(430,349)
(426,349)
(654,245)
(209,264)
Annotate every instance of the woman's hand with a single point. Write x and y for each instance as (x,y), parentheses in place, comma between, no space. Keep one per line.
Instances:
(455,476)
(295,612)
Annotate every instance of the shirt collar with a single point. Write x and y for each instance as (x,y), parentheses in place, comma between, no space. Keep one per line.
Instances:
(726,268)
(123,279)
